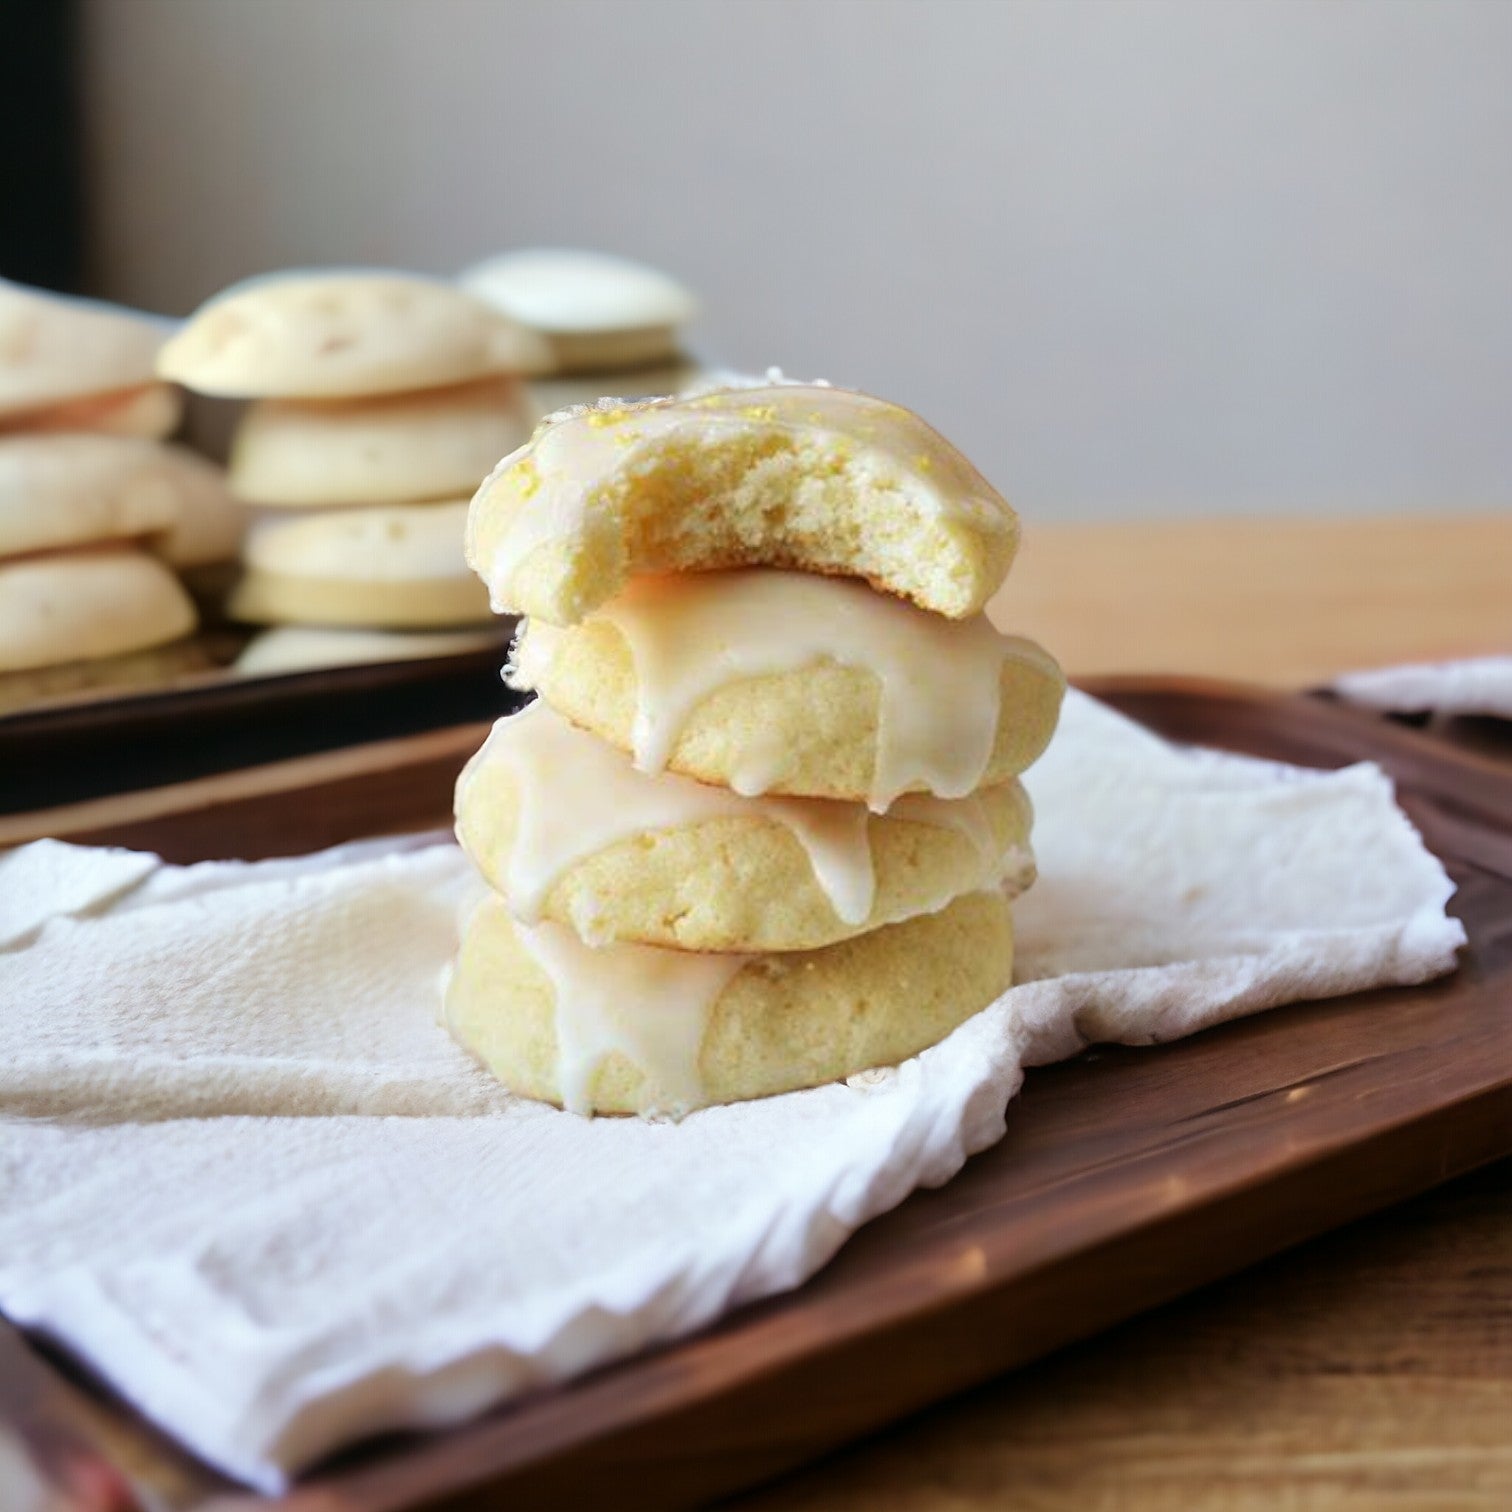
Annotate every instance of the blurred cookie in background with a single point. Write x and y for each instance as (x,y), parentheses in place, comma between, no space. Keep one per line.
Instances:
(79,364)
(67,489)
(151,410)
(102,617)
(396,566)
(341,334)
(304,648)
(615,327)
(395,448)
(380,400)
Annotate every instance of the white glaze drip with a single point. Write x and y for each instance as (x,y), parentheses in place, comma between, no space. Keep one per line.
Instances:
(578,796)
(691,634)
(650,1005)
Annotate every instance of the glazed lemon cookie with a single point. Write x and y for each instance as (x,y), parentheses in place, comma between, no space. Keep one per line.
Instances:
(634,1029)
(790,475)
(598,312)
(340,334)
(84,605)
(59,490)
(783,682)
(396,448)
(151,410)
(397,566)
(54,349)
(301,648)
(564,828)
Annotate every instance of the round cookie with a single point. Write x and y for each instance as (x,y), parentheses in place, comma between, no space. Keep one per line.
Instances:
(398,566)
(564,828)
(151,410)
(84,605)
(156,667)
(342,334)
(301,648)
(634,1029)
(786,475)
(599,312)
(783,682)
(434,444)
(71,489)
(54,349)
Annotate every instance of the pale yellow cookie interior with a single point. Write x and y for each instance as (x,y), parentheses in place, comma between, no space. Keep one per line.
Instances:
(781,1023)
(807,477)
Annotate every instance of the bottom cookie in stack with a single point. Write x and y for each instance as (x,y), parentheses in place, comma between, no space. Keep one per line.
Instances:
(638,1029)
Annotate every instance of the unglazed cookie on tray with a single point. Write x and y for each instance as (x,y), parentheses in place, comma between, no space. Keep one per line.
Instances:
(54,349)
(791,475)
(635,1029)
(598,312)
(302,648)
(341,334)
(564,828)
(83,605)
(63,490)
(397,566)
(784,682)
(396,448)
(151,410)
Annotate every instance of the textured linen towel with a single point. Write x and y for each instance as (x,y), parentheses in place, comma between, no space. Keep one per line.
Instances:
(1482,685)
(248,1177)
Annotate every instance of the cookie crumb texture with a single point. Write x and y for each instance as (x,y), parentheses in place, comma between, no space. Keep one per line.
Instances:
(812,478)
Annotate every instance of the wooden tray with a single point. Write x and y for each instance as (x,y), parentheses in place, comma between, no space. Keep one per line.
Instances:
(1126,1178)
(93,745)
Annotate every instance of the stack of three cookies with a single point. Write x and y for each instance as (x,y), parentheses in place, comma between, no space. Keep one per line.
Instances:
(99,514)
(760,828)
(379,400)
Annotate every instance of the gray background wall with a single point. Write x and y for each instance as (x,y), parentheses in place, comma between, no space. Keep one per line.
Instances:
(1157,257)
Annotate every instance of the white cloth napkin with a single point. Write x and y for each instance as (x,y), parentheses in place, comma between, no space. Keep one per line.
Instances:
(1482,685)
(250,1180)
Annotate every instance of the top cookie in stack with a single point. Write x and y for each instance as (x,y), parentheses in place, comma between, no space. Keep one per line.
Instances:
(97,511)
(761,827)
(378,401)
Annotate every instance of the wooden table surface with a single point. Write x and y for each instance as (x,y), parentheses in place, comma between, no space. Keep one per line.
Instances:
(1369,1370)
(1285,602)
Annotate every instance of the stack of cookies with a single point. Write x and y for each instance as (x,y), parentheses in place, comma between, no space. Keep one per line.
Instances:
(98,513)
(612,326)
(760,828)
(379,399)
